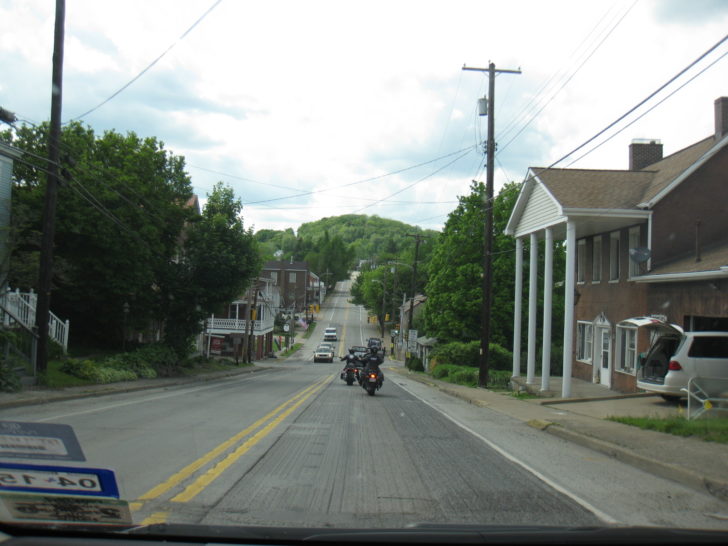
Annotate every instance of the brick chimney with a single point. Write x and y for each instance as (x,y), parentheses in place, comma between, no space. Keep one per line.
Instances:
(644,152)
(721,117)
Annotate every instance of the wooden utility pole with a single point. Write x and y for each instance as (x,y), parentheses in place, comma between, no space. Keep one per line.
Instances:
(418,239)
(45,276)
(488,228)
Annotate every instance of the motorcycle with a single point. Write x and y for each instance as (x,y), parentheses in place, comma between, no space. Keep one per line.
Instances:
(350,373)
(372,377)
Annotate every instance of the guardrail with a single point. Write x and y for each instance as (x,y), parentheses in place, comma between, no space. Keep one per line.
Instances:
(706,395)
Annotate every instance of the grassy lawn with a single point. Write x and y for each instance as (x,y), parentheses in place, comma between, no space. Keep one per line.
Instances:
(56,379)
(289,352)
(710,430)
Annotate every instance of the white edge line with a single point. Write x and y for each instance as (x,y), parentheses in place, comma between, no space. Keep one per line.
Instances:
(606,518)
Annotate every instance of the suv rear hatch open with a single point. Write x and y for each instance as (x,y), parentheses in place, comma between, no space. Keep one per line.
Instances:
(664,341)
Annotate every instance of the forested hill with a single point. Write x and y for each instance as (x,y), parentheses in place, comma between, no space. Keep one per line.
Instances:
(366,237)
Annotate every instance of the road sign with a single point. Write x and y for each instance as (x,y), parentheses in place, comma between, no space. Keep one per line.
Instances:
(99,482)
(39,441)
(66,508)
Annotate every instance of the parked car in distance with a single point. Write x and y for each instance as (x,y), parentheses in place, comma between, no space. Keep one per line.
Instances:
(375,343)
(324,353)
(676,356)
(330,334)
(360,350)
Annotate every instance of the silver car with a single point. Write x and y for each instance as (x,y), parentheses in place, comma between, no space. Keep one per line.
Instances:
(675,356)
(324,353)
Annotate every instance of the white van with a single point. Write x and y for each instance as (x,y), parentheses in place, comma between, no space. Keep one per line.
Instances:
(330,334)
(675,356)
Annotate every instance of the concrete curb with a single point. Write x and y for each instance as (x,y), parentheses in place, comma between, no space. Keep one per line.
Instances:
(50,396)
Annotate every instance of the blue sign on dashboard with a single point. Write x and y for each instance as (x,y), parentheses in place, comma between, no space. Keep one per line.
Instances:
(67,480)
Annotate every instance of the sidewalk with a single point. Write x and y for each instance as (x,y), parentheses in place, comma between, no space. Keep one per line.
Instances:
(694,463)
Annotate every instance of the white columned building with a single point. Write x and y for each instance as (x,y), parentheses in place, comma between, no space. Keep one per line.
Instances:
(559,206)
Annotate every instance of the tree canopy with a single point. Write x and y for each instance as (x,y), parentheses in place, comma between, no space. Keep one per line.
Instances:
(128,242)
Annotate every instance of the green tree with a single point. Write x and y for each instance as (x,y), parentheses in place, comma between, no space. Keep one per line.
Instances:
(454,289)
(121,206)
(219,262)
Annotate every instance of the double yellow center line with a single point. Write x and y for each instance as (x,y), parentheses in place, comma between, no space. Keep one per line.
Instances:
(266,424)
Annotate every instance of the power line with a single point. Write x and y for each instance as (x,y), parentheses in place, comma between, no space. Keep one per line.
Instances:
(643,101)
(416,182)
(372,179)
(566,82)
(647,111)
(150,65)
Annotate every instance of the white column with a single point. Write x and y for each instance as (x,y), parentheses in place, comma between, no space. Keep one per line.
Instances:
(569,307)
(548,288)
(532,310)
(518,301)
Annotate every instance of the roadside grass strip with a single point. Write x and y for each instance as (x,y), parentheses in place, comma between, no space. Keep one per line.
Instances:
(281,411)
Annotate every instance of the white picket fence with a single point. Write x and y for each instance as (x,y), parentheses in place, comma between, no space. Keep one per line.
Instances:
(20,306)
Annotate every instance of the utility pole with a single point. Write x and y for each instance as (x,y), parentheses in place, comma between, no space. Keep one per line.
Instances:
(45,276)
(488,228)
(418,239)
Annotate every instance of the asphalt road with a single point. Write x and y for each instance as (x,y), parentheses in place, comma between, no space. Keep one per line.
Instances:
(293,445)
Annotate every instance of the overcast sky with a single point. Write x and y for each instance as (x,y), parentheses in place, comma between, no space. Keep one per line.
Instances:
(320,108)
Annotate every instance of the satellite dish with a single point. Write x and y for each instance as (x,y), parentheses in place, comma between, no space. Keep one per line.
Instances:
(640,254)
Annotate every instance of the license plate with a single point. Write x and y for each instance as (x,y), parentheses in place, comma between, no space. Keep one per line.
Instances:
(372,379)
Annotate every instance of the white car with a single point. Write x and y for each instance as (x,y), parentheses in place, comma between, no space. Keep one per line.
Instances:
(676,356)
(324,353)
(330,334)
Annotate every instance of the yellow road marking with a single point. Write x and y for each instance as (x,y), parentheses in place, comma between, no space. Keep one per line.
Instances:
(216,471)
(342,346)
(135,505)
(156,517)
(178,477)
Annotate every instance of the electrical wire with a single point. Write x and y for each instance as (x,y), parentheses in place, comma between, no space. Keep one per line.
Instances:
(643,101)
(372,179)
(416,182)
(568,79)
(150,65)
(648,110)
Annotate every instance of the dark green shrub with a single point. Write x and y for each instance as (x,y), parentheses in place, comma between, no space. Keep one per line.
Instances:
(9,379)
(414,363)
(465,376)
(457,352)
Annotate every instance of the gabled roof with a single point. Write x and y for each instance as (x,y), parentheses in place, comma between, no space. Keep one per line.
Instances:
(607,193)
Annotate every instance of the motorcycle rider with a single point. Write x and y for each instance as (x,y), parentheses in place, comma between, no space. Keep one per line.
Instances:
(351,362)
(372,360)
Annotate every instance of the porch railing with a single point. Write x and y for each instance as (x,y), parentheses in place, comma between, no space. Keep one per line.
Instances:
(20,306)
(231,325)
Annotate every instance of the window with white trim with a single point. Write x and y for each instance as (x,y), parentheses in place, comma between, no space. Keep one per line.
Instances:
(580,260)
(597,259)
(634,242)
(626,349)
(614,256)
(584,339)
(292,276)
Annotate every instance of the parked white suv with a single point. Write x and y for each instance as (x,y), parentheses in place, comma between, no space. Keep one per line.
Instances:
(675,356)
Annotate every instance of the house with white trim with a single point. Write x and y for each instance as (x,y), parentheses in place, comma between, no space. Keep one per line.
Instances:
(651,240)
